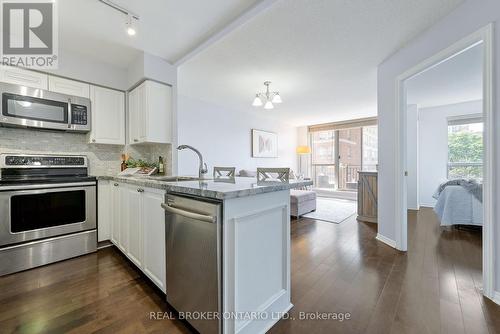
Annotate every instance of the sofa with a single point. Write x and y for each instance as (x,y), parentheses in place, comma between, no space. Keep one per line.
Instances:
(301,201)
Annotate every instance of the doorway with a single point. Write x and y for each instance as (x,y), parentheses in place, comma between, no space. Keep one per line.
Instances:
(482,37)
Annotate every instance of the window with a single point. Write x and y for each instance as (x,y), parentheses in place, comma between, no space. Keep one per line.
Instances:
(339,153)
(370,148)
(323,159)
(465,148)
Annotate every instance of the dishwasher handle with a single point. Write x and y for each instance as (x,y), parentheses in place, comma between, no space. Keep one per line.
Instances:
(189,214)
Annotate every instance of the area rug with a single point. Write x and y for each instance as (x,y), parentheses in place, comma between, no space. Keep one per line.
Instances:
(332,210)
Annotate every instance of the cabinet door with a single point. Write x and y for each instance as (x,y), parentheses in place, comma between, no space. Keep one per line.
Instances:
(120,216)
(19,76)
(135,223)
(158,112)
(115,214)
(70,87)
(133,109)
(137,115)
(104,210)
(154,236)
(142,113)
(108,116)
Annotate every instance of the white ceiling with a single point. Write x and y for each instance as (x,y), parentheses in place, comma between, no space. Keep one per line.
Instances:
(167,28)
(459,79)
(321,55)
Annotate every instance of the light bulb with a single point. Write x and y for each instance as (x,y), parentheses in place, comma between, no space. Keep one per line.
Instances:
(268,105)
(277,98)
(131,31)
(257,102)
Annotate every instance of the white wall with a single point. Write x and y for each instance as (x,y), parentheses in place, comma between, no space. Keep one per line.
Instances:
(224,137)
(75,66)
(412,156)
(466,19)
(433,143)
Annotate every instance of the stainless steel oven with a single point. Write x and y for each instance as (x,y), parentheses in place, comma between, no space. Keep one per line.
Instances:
(31,107)
(32,212)
(48,210)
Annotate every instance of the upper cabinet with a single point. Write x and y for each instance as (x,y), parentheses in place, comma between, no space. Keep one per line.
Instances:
(19,76)
(150,113)
(70,87)
(108,116)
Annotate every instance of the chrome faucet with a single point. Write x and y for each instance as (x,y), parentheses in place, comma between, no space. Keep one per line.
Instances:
(203,169)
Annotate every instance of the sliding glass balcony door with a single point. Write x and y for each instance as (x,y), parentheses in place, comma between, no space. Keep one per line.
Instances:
(323,159)
(338,156)
(349,158)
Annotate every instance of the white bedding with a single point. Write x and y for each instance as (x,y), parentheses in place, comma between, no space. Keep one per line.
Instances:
(457,206)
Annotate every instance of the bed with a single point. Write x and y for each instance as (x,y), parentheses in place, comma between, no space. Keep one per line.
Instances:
(458,206)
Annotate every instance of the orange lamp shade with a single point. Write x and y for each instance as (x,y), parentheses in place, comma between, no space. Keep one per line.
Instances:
(303,150)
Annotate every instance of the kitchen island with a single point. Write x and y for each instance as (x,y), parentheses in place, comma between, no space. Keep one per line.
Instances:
(253,266)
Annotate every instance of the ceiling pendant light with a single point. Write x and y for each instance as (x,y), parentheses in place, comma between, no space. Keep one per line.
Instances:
(267,98)
(268,105)
(277,98)
(257,102)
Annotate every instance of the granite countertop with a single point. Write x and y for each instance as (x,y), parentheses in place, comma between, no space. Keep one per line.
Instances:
(218,189)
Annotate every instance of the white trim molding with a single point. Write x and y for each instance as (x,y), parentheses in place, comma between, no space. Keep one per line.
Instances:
(483,36)
(496,297)
(386,240)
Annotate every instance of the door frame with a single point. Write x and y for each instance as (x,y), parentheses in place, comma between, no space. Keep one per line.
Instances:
(484,36)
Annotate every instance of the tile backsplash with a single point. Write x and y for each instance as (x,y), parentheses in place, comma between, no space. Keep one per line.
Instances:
(103,159)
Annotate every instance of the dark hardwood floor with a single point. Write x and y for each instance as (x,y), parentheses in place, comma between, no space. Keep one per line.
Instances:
(434,288)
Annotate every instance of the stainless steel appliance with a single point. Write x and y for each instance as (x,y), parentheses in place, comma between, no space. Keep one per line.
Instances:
(31,107)
(47,210)
(193,253)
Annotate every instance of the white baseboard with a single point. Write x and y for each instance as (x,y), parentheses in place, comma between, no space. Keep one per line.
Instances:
(496,297)
(385,240)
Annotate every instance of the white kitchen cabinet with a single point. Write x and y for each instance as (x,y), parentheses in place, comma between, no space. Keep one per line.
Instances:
(104,212)
(138,228)
(119,234)
(150,113)
(135,223)
(19,76)
(114,213)
(154,236)
(70,87)
(137,131)
(108,116)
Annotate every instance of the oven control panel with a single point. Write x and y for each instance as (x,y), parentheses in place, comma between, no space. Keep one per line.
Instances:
(35,161)
(78,114)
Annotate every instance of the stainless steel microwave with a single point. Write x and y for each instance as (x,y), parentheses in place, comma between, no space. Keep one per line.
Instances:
(32,107)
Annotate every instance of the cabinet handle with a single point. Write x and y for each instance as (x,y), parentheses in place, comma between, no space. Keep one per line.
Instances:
(93,140)
(116,184)
(139,190)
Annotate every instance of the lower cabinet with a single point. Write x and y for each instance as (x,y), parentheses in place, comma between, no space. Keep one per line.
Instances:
(103,210)
(138,227)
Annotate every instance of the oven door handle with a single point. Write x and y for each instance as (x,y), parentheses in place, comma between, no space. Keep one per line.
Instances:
(46,186)
(70,120)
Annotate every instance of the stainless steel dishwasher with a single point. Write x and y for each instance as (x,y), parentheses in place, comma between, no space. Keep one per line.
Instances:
(193,255)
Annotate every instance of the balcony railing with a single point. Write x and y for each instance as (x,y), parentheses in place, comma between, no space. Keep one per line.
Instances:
(325,178)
